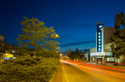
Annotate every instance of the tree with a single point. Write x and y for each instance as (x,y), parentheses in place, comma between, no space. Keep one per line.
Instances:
(36,35)
(118,38)
(2,46)
(74,55)
(5,47)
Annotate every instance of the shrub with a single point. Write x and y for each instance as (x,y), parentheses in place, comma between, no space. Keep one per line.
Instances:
(28,69)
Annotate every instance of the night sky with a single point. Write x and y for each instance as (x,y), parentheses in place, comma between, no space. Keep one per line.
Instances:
(73,20)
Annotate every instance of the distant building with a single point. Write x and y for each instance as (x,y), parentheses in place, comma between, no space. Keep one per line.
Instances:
(87,56)
(102,52)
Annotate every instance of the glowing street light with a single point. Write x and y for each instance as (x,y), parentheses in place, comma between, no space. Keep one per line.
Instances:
(60,55)
(6,56)
(55,35)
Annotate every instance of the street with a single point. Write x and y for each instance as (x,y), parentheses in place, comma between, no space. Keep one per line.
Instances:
(81,72)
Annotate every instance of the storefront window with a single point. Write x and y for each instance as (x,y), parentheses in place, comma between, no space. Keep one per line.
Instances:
(110,59)
(107,59)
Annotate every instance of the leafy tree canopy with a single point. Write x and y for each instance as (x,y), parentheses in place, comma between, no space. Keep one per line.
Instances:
(118,47)
(36,35)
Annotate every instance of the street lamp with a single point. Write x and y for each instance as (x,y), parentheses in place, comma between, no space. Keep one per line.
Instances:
(6,56)
(55,36)
(60,55)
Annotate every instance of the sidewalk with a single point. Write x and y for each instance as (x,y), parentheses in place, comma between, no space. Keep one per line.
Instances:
(117,67)
(108,65)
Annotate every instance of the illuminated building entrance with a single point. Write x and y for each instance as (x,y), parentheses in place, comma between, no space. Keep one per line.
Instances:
(102,52)
(99,60)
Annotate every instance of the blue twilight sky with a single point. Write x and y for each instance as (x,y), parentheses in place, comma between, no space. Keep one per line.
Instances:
(73,20)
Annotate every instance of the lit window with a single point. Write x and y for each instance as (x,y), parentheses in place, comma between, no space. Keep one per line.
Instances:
(99,39)
(99,33)
(100,26)
(99,36)
(99,45)
(99,42)
(99,49)
(107,59)
(110,59)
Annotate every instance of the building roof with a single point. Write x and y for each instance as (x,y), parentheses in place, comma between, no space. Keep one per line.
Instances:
(99,22)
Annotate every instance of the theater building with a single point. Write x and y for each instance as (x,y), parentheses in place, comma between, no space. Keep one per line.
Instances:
(102,52)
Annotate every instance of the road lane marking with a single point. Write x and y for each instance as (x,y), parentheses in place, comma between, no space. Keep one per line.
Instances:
(65,74)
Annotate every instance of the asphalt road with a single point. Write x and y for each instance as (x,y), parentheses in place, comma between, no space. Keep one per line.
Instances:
(75,72)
